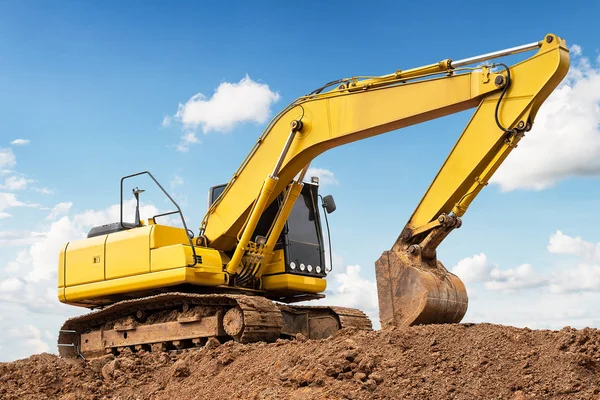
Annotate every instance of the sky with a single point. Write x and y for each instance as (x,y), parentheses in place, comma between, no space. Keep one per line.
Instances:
(90,92)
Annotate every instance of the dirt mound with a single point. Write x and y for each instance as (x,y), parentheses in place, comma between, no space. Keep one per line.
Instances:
(444,361)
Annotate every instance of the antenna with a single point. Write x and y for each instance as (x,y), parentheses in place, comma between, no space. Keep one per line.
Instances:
(136,193)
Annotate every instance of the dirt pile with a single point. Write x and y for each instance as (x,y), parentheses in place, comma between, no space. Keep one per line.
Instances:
(449,361)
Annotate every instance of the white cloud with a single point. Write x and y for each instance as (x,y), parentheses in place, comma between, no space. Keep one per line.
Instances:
(575,50)
(9,200)
(20,262)
(578,276)
(231,104)
(353,290)
(176,181)
(19,238)
(44,267)
(565,139)
(326,177)
(7,158)
(31,338)
(473,269)
(584,277)
(44,190)
(91,218)
(477,269)
(59,210)
(20,142)
(348,287)
(564,244)
(5,215)
(521,277)
(10,285)
(15,183)
(186,140)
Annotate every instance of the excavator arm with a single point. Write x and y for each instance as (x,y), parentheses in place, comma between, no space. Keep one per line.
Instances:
(413,286)
(358,109)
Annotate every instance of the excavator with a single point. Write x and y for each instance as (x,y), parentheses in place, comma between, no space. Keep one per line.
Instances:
(260,249)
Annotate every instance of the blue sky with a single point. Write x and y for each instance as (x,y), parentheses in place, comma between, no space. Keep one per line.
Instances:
(89,85)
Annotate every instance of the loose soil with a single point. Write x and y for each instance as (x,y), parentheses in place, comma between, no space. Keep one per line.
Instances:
(461,361)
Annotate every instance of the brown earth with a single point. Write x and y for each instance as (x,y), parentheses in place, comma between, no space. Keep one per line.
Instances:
(438,362)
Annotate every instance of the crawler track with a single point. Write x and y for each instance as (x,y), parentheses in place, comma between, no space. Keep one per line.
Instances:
(180,320)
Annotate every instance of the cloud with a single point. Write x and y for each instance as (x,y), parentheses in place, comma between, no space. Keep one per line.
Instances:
(44,190)
(19,238)
(10,285)
(7,158)
(353,290)
(42,266)
(560,243)
(477,269)
(31,338)
(5,215)
(231,104)
(348,287)
(176,181)
(575,50)
(186,140)
(15,183)
(20,142)
(91,218)
(326,177)
(521,277)
(585,276)
(59,209)
(9,200)
(565,139)
(577,276)
(473,269)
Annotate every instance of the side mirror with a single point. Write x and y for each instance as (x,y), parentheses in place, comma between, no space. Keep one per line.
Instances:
(329,204)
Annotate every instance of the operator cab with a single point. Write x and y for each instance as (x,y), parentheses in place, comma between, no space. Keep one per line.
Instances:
(302,236)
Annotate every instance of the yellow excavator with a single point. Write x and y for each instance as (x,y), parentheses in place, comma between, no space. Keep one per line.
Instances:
(260,247)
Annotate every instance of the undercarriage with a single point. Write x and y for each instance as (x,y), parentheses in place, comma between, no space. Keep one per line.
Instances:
(175,321)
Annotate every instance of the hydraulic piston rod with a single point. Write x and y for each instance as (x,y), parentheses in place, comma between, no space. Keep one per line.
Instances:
(496,54)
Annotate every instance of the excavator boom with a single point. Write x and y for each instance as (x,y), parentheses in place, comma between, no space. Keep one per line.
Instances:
(413,286)
(358,109)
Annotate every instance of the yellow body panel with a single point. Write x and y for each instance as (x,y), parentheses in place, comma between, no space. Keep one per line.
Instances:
(287,283)
(169,256)
(128,252)
(61,273)
(154,280)
(164,235)
(275,265)
(276,281)
(208,273)
(88,255)
(132,265)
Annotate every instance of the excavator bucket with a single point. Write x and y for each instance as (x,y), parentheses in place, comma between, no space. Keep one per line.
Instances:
(414,291)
